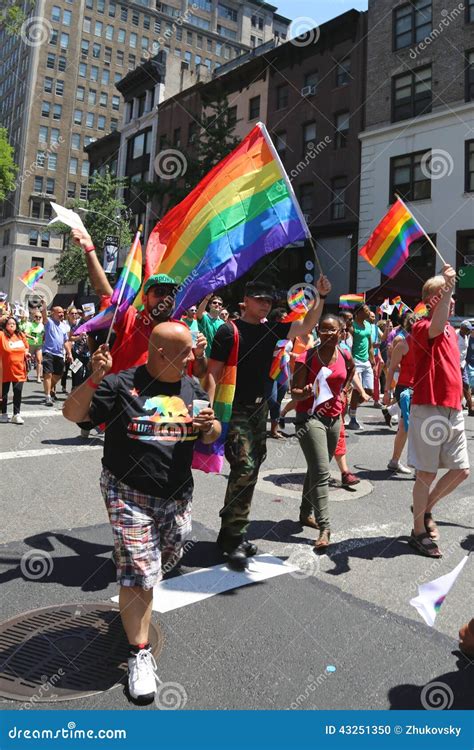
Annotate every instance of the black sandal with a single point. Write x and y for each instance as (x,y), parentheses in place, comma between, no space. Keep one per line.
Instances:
(430,525)
(424,545)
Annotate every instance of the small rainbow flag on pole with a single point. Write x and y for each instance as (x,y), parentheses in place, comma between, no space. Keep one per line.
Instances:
(349,301)
(421,309)
(388,246)
(31,277)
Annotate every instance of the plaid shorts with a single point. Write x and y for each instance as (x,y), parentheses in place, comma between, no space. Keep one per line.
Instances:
(148,532)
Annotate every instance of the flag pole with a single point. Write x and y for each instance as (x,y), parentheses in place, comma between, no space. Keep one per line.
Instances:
(426,235)
(311,242)
(134,249)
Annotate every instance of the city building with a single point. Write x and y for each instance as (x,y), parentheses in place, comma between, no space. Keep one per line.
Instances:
(311,97)
(419,139)
(58,94)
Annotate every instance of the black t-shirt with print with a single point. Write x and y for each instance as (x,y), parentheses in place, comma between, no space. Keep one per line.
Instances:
(149,438)
(256,347)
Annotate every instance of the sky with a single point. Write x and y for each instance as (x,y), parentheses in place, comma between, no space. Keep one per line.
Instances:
(319,10)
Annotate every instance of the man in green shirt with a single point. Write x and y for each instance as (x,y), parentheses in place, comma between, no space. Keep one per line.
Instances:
(189,318)
(210,322)
(34,332)
(364,360)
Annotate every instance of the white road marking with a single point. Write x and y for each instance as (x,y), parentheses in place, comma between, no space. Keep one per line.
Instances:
(206,582)
(9,455)
(46,412)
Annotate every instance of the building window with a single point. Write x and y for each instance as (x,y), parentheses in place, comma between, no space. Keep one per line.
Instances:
(56,13)
(67,17)
(306,198)
(64,41)
(40,158)
(225,11)
(35,209)
(121,36)
(411,94)
(106,77)
(86,25)
(100,6)
(50,186)
(33,238)
(83,192)
(135,18)
(77,117)
(132,61)
(257,22)
(177,137)
(311,82)
(343,72)
(120,57)
(44,239)
(470,76)
(45,109)
(123,13)
(92,96)
(82,70)
(232,116)
(51,60)
(54,135)
(6,237)
(59,88)
(53,37)
(80,91)
(85,169)
(57,111)
(76,141)
(101,122)
(342,129)
(113,124)
(43,134)
(98,28)
(280,144)
(3,266)
(38,185)
(115,102)
(62,64)
(282,96)
(103,99)
(73,164)
(411,23)
(109,32)
(254,107)
(133,40)
(338,206)
(469,167)
(37,262)
(146,22)
(409,176)
(71,190)
(470,11)
(48,85)
(94,73)
(89,119)
(52,162)
(309,136)
(112,9)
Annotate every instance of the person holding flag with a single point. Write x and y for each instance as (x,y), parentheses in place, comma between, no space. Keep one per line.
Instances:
(252,343)
(133,327)
(318,419)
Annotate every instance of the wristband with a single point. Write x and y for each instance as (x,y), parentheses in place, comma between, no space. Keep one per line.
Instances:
(89,249)
(322,296)
(91,384)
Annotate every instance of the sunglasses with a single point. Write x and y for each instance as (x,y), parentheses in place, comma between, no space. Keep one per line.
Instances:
(162,289)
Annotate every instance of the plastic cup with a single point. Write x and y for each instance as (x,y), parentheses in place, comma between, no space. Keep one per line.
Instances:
(198,405)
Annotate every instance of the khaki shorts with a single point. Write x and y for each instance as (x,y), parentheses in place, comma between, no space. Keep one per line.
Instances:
(436,439)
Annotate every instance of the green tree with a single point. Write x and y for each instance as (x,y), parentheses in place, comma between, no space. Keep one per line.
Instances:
(8,168)
(12,15)
(101,204)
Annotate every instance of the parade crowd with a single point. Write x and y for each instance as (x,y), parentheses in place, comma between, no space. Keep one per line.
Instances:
(154,390)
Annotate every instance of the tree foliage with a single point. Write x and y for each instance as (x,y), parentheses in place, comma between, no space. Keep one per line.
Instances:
(102,206)
(12,15)
(8,168)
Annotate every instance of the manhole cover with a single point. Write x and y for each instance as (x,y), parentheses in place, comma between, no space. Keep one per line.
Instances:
(65,652)
(295,482)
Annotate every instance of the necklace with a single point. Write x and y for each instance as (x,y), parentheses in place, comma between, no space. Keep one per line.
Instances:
(332,358)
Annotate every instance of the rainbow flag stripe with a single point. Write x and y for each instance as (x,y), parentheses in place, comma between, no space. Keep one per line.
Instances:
(349,301)
(244,209)
(388,247)
(297,299)
(396,300)
(421,309)
(32,276)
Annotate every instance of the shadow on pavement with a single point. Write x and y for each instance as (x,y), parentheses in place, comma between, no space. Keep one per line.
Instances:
(452,690)
(382,547)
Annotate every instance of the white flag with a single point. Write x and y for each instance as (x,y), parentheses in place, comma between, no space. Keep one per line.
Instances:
(431,595)
(67,216)
(322,391)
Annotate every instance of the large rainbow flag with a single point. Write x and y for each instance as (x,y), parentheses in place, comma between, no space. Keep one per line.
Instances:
(350,301)
(31,277)
(388,246)
(244,209)
(125,291)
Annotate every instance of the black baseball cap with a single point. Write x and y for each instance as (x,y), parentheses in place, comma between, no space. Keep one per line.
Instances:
(259,290)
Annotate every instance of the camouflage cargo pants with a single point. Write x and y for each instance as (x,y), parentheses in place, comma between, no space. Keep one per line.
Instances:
(245,450)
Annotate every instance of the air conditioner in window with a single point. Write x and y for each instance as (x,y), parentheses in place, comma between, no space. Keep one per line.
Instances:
(308,90)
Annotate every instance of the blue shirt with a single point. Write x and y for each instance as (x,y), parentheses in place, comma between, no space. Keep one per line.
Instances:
(55,336)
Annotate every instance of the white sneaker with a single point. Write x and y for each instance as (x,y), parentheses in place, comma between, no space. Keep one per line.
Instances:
(4,418)
(398,468)
(17,419)
(142,678)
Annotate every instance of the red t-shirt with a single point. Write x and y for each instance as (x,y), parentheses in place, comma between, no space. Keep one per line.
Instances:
(407,365)
(437,377)
(130,347)
(334,406)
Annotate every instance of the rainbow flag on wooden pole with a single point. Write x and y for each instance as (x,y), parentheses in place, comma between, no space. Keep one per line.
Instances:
(31,277)
(243,209)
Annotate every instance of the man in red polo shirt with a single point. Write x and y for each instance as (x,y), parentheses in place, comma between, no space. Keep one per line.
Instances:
(436,437)
(130,348)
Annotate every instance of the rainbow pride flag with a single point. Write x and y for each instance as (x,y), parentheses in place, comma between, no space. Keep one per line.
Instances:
(31,277)
(349,301)
(210,458)
(421,309)
(279,369)
(388,246)
(125,291)
(396,300)
(244,209)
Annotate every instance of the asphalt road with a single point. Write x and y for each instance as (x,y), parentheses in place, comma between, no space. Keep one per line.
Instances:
(267,645)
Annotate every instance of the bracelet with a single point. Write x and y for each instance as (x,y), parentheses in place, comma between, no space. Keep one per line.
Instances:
(206,432)
(322,296)
(91,384)
(89,249)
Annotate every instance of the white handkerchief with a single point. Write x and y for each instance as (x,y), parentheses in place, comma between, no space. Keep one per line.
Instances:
(67,216)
